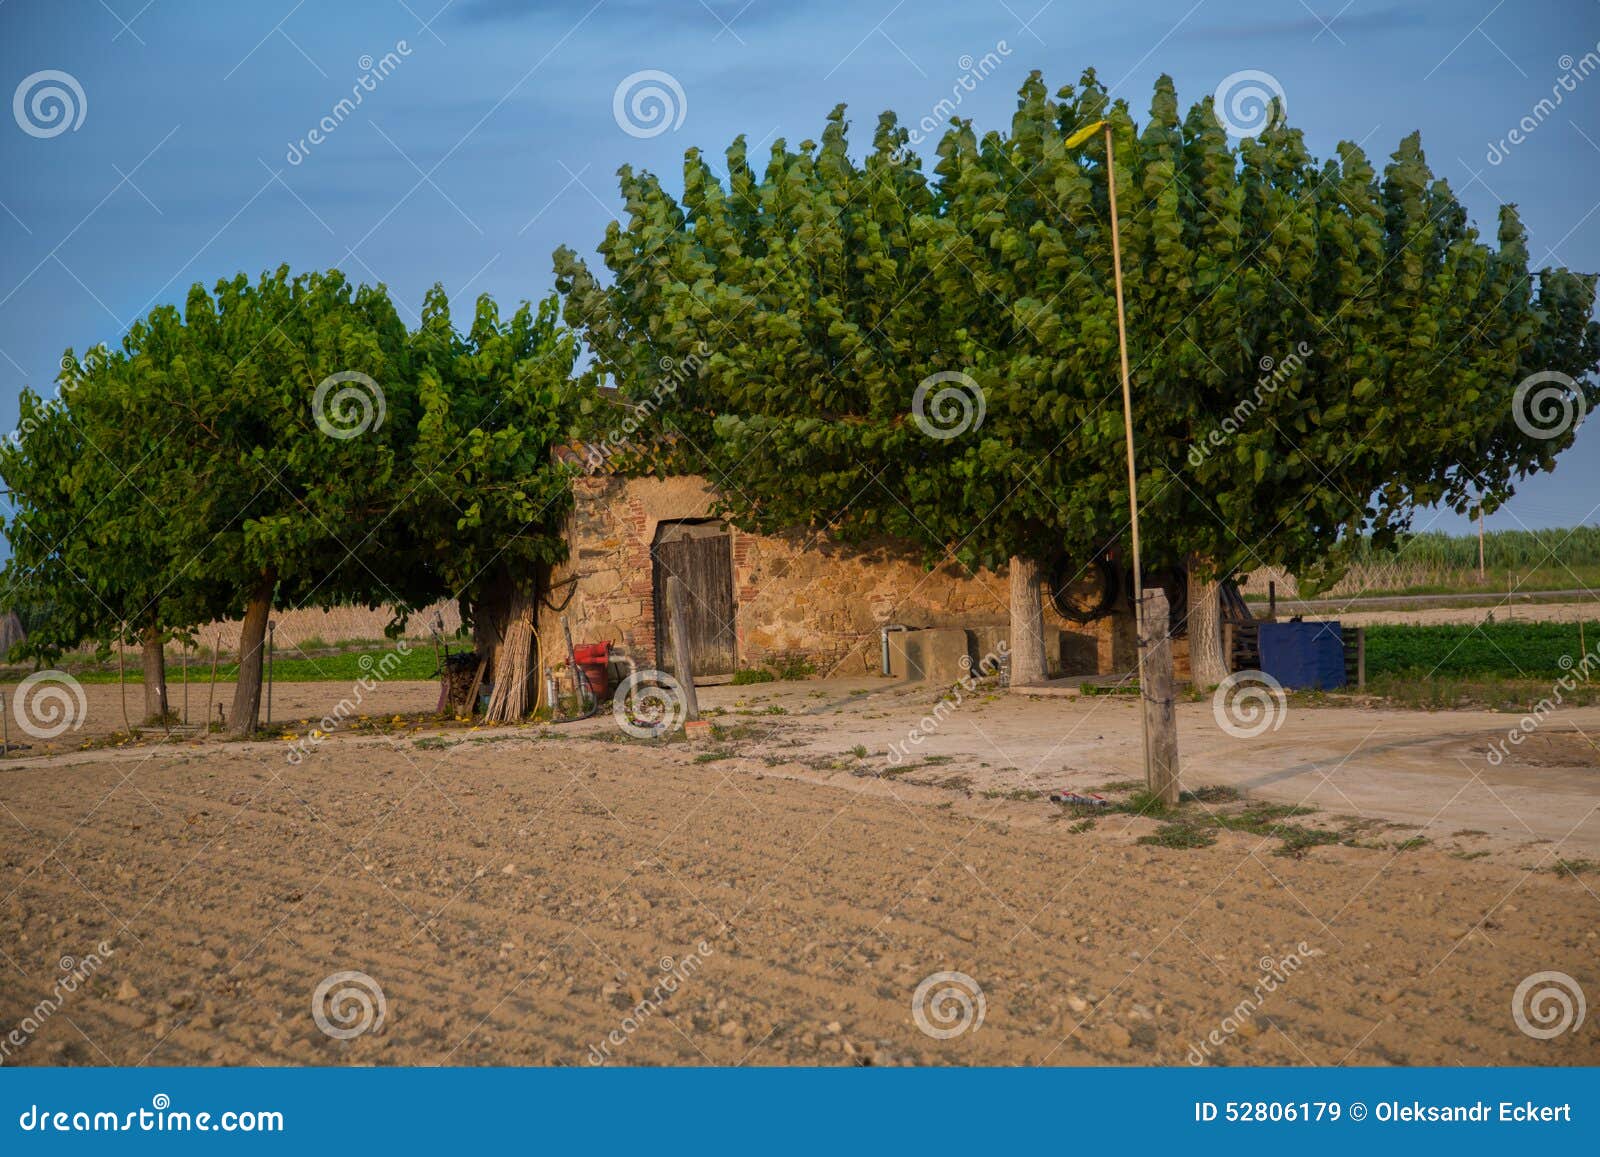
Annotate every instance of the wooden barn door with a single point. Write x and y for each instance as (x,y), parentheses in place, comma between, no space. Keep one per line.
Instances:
(700,554)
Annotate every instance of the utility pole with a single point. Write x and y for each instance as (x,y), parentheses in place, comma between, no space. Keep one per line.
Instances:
(1156,719)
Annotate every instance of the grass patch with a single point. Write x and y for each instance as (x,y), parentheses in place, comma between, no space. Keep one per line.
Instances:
(1206,811)
(748,675)
(714,755)
(1090,690)
(1490,691)
(1575,867)
(1182,835)
(344,667)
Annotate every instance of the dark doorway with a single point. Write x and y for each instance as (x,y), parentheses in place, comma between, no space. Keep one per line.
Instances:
(700,554)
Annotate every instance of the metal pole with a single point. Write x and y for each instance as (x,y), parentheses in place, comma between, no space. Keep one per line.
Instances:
(1480,541)
(1127,426)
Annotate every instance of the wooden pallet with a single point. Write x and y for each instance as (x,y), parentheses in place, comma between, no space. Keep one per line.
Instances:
(1355,657)
(1241,643)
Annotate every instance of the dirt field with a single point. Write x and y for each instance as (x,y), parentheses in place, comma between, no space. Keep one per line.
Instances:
(1513,611)
(770,897)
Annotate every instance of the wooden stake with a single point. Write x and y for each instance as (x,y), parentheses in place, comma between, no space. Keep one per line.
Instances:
(1481,578)
(272,636)
(1156,689)
(122,685)
(216,645)
(472,693)
(681,659)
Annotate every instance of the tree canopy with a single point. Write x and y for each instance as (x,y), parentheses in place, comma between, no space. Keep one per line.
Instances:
(935,357)
(288,442)
(483,498)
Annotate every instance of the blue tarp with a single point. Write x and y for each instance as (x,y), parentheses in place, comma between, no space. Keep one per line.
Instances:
(1304,655)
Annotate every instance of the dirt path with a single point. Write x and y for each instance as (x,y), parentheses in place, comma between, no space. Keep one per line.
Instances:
(1506,611)
(517,901)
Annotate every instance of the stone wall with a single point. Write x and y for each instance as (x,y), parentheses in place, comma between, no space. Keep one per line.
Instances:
(797,595)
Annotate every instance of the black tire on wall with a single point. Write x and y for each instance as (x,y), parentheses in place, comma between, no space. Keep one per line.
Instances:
(1082,594)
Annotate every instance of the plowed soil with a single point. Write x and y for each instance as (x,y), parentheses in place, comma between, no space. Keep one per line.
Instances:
(522,900)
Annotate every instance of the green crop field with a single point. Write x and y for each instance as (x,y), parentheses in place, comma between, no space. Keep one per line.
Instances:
(342,667)
(1508,650)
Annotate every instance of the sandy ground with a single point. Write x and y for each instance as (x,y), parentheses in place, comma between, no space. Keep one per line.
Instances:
(559,896)
(1427,769)
(101,710)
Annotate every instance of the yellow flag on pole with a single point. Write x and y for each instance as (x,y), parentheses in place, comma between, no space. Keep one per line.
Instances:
(1084,134)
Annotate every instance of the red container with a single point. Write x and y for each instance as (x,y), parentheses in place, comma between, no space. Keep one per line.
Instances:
(592,660)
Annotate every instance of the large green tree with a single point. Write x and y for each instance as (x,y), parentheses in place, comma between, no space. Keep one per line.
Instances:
(1317,350)
(89,545)
(231,457)
(292,395)
(287,442)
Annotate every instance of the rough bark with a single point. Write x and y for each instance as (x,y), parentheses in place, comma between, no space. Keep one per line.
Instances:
(252,650)
(155,676)
(1121,650)
(1027,622)
(490,613)
(1208,666)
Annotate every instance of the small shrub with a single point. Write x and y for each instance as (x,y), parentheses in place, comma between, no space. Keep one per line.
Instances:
(791,667)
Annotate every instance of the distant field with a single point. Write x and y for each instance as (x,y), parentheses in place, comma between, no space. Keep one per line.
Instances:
(1503,650)
(344,667)
(1429,564)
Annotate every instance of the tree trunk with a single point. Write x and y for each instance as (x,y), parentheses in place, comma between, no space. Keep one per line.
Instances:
(489,616)
(252,639)
(515,691)
(1027,622)
(155,676)
(1208,666)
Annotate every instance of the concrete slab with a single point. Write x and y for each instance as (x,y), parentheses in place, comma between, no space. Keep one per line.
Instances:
(931,656)
(1071,686)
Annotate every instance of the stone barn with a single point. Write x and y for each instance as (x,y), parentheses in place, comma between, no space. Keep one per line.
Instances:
(796,602)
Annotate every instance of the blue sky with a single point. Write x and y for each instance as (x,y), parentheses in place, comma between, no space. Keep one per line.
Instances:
(492,138)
